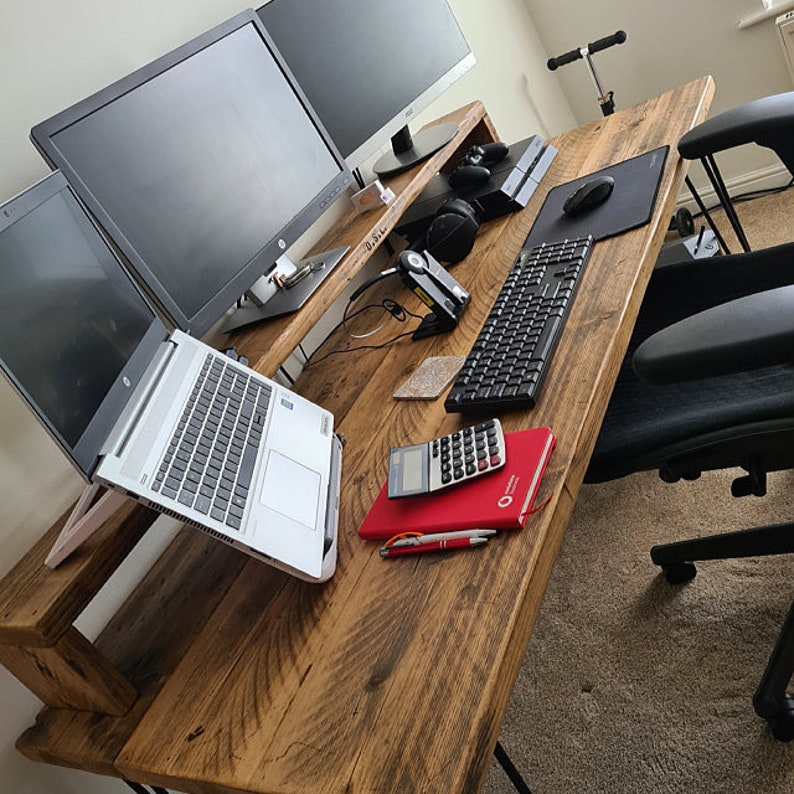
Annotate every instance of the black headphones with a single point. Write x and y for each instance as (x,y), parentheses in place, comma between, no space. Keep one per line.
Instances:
(474,167)
(451,233)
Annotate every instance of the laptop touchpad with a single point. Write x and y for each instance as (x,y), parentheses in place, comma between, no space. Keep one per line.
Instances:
(291,489)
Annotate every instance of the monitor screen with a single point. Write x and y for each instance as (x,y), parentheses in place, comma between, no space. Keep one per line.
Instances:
(203,166)
(368,67)
(72,323)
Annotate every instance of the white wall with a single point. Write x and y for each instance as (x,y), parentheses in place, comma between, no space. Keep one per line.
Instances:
(53,54)
(670,43)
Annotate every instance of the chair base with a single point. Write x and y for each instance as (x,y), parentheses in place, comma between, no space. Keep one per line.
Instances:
(677,562)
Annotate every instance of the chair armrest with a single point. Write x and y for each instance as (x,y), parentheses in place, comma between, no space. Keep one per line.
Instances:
(747,333)
(765,121)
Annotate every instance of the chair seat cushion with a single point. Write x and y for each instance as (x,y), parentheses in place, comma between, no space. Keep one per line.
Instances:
(643,421)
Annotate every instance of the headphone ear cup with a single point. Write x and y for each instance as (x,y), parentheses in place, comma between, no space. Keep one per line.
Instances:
(450,236)
(458,206)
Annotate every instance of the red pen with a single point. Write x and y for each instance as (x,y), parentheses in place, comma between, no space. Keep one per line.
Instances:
(440,545)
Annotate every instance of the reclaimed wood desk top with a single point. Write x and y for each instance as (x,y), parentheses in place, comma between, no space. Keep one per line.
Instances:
(395,675)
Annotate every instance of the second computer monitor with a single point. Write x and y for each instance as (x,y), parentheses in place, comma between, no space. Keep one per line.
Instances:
(368,67)
(203,166)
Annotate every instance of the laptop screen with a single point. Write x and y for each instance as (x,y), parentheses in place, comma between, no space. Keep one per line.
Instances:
(71,321)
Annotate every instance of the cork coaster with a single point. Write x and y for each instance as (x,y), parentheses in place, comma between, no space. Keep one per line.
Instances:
(430,379)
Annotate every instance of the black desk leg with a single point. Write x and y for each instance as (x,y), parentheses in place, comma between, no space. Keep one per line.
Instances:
(771,701)
(510,770)
(140,789)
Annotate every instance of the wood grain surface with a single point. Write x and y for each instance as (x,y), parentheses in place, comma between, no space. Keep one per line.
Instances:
(395,675)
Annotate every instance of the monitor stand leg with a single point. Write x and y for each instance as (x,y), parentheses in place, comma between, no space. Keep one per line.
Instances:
(88,515)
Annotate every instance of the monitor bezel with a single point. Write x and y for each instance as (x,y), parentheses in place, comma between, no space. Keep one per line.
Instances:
(85,452)
(216,305)
(406,115)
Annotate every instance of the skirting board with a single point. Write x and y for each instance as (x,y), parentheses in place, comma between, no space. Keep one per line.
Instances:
(771,177)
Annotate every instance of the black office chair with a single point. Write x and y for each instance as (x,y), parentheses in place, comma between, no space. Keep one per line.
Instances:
(708,383)
(767,122)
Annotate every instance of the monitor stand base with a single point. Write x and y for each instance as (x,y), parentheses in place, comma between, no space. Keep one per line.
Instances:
(287,301)
(424,143)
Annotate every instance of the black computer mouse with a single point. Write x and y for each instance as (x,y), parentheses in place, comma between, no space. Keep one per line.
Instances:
(589,195)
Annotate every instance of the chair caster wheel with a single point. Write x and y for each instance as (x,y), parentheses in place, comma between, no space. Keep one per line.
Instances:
(679,572)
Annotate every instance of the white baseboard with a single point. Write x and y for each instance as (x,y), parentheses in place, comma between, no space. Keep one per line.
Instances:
(763,179)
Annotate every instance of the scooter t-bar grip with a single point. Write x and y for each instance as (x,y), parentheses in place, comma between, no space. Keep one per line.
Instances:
(607,41)
(561,60)
(594,46)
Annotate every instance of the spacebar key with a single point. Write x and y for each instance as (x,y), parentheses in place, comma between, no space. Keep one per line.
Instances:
(246,470)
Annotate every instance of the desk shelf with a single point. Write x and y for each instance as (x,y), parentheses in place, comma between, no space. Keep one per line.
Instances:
(268,345)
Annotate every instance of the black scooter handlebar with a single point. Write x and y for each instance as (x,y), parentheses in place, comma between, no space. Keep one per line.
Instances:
(592,47)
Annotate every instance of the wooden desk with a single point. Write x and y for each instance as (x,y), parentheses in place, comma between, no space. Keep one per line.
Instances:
(395,675)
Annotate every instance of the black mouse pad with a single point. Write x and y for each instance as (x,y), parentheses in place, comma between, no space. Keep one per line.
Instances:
(630,205)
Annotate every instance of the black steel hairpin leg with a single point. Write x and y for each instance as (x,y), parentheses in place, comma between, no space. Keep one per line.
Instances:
(707,215)
(510,770)
(141,789)
(770,700)
(713,173)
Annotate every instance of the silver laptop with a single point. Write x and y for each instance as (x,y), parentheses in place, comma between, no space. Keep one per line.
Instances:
(161,418)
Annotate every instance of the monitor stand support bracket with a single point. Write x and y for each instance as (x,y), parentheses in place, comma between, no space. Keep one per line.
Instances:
(266,301)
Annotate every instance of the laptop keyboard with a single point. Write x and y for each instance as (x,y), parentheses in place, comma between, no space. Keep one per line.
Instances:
(210,460)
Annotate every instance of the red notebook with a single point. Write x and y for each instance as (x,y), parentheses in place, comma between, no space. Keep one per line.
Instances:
(500,500)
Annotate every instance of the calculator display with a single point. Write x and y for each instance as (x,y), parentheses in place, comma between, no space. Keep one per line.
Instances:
(412,469)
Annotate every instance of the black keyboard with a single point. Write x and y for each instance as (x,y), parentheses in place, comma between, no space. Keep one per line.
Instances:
(507,363)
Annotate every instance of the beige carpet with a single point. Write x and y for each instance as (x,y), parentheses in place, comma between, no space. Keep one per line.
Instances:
(632,685)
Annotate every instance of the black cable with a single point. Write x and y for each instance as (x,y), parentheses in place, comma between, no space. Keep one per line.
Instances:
(397,311)
(749,196)
(369,282)
(359,178)
(286,374)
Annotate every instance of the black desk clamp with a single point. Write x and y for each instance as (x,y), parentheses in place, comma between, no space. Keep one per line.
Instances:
(604,97)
